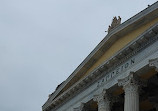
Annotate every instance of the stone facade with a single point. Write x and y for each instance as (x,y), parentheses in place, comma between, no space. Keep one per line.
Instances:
(127,81)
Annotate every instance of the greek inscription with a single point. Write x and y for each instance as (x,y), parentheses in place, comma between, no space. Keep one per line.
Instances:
(117,71)
(121,68)
(112,74)
(98,84)
(132,61)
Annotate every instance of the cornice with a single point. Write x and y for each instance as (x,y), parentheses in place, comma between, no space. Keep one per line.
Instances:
(131,24)
(136,21)
(144,40)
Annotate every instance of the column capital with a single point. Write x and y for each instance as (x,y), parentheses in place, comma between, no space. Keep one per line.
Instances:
(100,97)
(132,82)
(103,101)
(154,63)
(130,79)
(80,108)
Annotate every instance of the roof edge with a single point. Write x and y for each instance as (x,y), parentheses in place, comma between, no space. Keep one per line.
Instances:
(116,31)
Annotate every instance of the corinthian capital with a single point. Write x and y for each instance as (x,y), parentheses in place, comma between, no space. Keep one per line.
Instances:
(100,97)
(80,108)
(131,83)
(154,63)
(103,101)
(130,79)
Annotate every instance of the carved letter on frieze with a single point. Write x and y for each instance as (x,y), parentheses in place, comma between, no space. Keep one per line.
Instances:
(154,63)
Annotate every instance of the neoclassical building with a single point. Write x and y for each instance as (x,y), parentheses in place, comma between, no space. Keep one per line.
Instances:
(120,74)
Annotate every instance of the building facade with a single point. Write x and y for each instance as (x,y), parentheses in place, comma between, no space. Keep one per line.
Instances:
(120,74)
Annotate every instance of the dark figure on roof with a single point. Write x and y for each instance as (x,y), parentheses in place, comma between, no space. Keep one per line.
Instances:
(115,22)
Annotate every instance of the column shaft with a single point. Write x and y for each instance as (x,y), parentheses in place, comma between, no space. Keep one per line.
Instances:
(104,106)
(131,98)
(130,86)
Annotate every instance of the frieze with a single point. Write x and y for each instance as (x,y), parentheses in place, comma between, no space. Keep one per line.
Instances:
(116,71)
(123,66)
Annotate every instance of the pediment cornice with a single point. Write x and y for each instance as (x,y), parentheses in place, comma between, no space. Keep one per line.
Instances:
(116,59)
(145,39)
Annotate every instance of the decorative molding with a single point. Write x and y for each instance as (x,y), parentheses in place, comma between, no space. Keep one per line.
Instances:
(154,63)
(136,46)
(144,16)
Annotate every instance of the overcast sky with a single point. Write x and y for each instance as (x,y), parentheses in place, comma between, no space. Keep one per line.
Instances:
(43,41)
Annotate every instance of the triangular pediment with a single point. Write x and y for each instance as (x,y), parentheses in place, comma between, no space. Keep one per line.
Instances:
(114,41)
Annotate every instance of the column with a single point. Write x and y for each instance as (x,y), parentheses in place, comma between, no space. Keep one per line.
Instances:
(154,63)
(130,86)
(102,101)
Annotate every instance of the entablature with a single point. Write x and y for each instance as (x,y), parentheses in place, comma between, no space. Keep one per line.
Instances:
(128,51)
(131,24)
